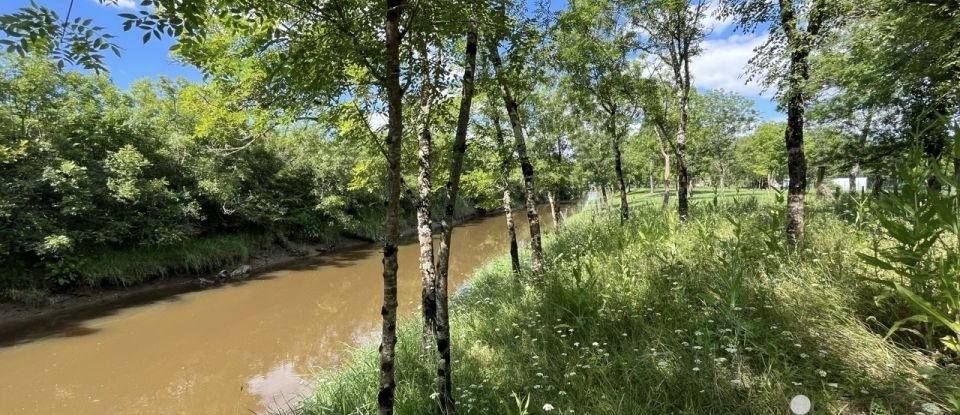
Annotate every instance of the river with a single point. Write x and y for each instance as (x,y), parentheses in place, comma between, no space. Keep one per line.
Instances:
(235,349)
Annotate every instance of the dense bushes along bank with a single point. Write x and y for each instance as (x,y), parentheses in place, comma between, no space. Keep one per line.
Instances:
(653,318)
(103,186)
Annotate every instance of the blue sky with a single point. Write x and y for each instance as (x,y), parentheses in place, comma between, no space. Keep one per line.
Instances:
(721,65)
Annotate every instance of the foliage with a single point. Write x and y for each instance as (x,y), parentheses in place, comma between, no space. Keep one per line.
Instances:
(659,318)
(922,248)
(36,28)
(88,168)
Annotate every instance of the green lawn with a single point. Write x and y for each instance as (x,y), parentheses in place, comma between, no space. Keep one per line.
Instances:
(712,317)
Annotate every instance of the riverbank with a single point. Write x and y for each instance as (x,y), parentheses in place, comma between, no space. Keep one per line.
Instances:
(710,318)
(135,276)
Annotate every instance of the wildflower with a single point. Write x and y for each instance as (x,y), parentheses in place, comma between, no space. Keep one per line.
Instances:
(833,385)
(822,373)
(434,395)
(547,407)
(696,369)
(576,344)
(561,393)
(698,333)
(595,344)
(697,347)
(803,355)
(662,364)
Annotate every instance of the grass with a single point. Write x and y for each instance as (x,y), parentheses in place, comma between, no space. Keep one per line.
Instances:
(135,265)
(712,317)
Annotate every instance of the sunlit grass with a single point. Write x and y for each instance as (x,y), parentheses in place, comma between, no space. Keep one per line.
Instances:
(712,317)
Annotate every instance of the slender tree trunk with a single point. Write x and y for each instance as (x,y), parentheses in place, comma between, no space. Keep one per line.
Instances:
(618,169)
(661,137)
(877,185)
(821,173)
(799,45)
(388,342)
(652,184)
(428,291)
(444,362)
(603,192)
(504,152)
(554,211)
(536,250)
(683,180)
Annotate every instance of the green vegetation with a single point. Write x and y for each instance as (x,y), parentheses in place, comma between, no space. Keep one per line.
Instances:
(109,187)
(305,127)
(711,317)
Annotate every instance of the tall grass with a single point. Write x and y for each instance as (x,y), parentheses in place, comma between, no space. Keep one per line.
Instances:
(134,265)
(712,317)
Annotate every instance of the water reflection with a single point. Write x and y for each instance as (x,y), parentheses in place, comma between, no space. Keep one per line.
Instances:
(231,350)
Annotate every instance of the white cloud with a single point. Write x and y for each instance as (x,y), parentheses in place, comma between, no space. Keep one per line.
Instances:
(712,20)
(723,64)
(120,4)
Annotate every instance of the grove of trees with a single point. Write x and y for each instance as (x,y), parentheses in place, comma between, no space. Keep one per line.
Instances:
(368,118)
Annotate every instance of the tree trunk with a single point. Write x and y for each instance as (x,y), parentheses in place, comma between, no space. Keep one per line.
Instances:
(555,211)
(618,169)
(536,250)
(821,173)
(444,362)
(877,185)
(661,137)
(428,296)
(683,181)
(799,46)
(388,335)
(652,184)
(603,192)
(507,200)
(852,179)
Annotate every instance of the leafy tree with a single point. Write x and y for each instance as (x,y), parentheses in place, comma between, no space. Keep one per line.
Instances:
(593,47)
(675,30)
(796,30)
(719,119)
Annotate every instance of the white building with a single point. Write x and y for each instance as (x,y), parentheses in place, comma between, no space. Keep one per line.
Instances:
(844,183)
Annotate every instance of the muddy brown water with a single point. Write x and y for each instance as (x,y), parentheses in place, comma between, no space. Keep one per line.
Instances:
(236,349)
